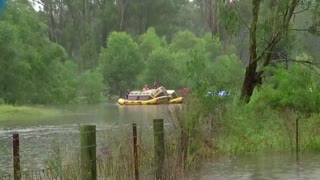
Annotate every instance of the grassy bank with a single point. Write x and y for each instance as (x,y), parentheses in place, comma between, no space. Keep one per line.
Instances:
(247,130)
(9,112)
(226,127)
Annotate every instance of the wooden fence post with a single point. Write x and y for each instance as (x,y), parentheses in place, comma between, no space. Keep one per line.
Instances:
(297,136)
(158,132)
(16,157)
(88,152)
(135,152)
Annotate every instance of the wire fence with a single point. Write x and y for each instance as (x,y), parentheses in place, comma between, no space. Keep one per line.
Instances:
(57,154)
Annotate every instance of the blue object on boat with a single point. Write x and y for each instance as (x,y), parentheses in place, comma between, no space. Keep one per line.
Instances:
(223,93)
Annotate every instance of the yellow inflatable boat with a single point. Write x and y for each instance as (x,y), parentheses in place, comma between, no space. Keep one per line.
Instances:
(150,97)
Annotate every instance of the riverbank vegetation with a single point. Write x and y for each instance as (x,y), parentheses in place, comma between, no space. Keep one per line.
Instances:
(10,112)
(265,53)
(218,126)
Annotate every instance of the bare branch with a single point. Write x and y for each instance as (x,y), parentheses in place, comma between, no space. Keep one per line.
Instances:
(242,20)
(253,29)
(306,63)
(247,26)
(297,61)
(40,2)
(270,44)
(282,11)
(294,29)
(304,30)
(276,38)
(293,6)
(303,10)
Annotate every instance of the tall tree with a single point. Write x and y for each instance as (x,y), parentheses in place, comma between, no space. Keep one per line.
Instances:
(266,32)
(190,17)
(210,12)
(160,14)
(122,6)
(81,27)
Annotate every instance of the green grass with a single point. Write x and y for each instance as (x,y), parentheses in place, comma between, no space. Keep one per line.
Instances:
(9,112)
(246,130)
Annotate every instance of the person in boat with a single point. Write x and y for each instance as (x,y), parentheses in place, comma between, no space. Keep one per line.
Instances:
(127,93)
(155,85)
(145,88)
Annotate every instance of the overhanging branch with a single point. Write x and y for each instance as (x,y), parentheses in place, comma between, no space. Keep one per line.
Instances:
(305,30)
(270,45)
(306,63)
(298,61)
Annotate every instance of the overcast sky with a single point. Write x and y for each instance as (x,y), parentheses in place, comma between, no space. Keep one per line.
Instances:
(36,5)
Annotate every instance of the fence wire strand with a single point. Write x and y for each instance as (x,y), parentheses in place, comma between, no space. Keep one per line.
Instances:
(54,155)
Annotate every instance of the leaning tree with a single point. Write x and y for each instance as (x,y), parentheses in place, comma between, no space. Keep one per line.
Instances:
(270,24)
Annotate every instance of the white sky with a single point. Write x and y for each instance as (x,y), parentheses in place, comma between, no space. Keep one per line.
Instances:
(37,5)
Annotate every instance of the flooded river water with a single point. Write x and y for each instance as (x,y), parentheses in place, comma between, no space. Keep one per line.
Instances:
(263,167)
(36,139)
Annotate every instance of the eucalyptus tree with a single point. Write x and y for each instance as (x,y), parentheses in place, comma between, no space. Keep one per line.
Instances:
(160,14)
(81,27)
(270,25)
(211,14)
(190,17)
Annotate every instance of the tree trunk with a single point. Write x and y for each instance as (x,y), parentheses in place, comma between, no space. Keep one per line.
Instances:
(61,15)
(140,19)
(53,27)
(279,29)
(212,16)
(250,79)
(122,7)
(248,84)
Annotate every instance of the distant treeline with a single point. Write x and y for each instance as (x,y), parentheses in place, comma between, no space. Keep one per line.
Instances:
(74,50)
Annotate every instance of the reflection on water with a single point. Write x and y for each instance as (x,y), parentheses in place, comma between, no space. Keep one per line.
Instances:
(94,114)
(263,167)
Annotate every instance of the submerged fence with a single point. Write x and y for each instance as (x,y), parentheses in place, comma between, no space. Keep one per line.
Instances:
(134,157)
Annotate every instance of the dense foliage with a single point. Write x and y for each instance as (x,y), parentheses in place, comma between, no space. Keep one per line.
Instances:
(72,51)
(33,69)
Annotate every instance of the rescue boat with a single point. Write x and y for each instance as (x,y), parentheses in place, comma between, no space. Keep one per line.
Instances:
(151,97)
